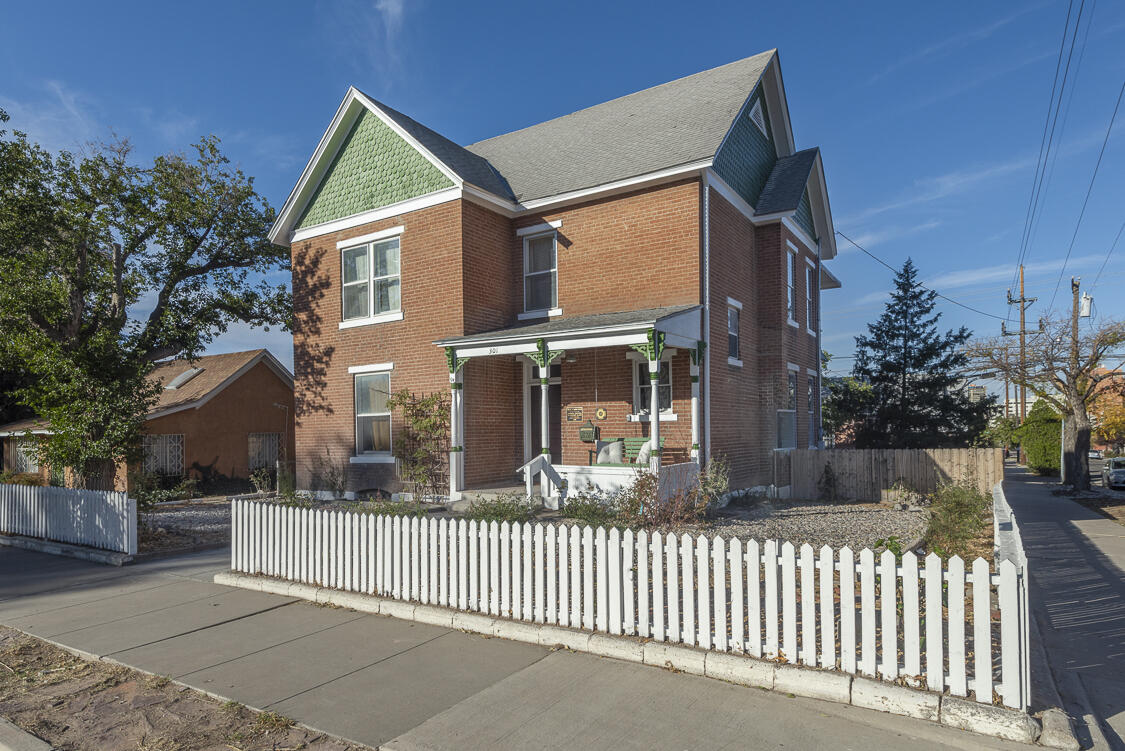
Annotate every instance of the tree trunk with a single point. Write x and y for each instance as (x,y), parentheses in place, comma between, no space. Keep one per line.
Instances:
(1076,450)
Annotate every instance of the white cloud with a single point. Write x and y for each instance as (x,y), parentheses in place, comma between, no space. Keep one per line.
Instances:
(371,32)
(1003,273)
(872,238)
(60,118)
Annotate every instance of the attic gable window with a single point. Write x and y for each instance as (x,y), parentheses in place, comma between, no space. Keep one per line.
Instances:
(758,117)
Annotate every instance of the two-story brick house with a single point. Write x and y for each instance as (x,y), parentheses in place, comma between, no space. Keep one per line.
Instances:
(554,275)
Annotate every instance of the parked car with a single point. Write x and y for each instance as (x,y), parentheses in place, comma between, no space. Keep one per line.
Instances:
(1113,474)
(1095,453)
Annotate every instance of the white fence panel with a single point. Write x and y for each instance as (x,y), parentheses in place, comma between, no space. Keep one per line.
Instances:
(95,518)
(928,625)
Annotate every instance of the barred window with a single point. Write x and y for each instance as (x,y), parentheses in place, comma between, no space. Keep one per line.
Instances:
(164,454)
(263,449)
(26,457)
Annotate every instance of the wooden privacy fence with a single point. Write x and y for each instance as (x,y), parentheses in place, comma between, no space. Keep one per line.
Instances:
(873,474)
(920,622)
(96,518)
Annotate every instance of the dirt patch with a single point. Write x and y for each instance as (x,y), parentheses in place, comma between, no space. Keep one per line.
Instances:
(1110,506)
(186,526)
(79,704)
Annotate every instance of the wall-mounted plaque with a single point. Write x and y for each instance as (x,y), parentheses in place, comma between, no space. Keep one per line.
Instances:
(574,414)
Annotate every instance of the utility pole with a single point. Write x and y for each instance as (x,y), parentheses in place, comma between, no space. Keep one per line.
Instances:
(1024,303)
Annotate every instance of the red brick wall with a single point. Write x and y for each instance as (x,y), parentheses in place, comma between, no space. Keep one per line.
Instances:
(749,264)
(628,252)
(216,435)
(431,282)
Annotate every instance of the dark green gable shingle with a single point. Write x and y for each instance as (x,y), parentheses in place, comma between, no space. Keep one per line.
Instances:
(804,215)
(375,167)
(747,157)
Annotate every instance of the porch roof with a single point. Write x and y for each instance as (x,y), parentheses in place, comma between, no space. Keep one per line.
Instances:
(679,323)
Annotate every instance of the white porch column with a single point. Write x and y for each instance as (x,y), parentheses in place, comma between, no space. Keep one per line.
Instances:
(654,414)
(695,407)
(456,436)
(544,423)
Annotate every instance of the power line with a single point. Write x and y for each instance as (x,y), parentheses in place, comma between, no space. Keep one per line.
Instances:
(1089,190)
(1045,143)
(1107,255)
(894,270)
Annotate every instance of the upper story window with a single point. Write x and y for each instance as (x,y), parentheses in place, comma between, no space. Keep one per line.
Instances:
(791,283)
(540,272)
(734,343)
(810,299)
(371,285)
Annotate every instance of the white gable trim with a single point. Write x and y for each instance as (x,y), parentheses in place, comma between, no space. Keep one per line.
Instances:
(264,356)
(822,209)
(395,209)
(382,234)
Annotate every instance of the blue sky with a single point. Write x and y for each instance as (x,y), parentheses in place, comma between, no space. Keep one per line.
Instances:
(929,116)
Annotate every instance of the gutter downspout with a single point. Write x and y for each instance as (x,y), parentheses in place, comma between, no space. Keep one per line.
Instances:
(706,453)
(819,356)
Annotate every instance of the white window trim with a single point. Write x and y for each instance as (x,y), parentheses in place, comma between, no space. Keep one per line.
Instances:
(369,244)
(527,238)
(374,457)
(351,323)
(539,229)
(732,303)
(666,415)
(379,367)
(734,361)
(532,314)
(371,237)
(809,298)
(791,254)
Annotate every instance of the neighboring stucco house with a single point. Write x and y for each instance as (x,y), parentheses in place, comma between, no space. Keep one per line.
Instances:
(549,276)
(217,418)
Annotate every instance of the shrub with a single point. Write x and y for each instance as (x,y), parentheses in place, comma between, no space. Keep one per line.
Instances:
(827,486)
(150,489)
(958,518)
(329,474)
(1040,437)
(384,507)
(262,479)
(511,507)
(592,507)
(422,443)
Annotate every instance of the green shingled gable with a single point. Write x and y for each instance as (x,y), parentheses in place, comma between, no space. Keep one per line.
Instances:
(746,157)
(804,215)
(375,167)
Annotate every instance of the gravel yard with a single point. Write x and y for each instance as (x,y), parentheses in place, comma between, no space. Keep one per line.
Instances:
(858,525)
(184,526)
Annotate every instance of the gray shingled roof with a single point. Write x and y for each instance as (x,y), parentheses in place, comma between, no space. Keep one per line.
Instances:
(535,328)
(469,166)
(666,126)
(786,183)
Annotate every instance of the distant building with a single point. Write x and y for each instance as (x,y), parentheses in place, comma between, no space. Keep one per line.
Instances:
(976,392)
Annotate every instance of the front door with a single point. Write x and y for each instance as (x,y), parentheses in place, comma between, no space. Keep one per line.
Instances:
(532,424)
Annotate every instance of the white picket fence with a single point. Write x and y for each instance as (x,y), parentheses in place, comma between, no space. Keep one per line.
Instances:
(96,518)
(919,622)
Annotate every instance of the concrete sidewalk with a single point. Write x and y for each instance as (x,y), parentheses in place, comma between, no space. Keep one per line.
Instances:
(403,685)
(1077,562)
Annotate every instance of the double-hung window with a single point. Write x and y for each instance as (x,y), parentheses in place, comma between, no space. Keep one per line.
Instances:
(643,391)
(810,299)
(791,284)
(733,344)
(372,415)
(371,285)
(787,415)
(540,272)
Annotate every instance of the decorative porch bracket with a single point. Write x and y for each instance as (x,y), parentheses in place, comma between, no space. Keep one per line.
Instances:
(543,356)
(454,362)
(654,347)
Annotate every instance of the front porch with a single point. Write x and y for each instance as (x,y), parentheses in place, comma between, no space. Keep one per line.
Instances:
(584,383)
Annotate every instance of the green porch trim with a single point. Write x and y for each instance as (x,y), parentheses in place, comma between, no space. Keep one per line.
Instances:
(697,353)
(456,386)
(455,449)
(653,348)
(374,167)
(695,379)
(454,362)
(695,447)
(543,356)
(546,452)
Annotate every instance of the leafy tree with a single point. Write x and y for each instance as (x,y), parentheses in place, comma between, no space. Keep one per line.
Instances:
(107,267)
(846,402)
(1040,438)
(1001,432)
(916,375)
(1109,417)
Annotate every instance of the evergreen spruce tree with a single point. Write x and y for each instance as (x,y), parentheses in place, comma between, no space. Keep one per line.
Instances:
(916,375)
